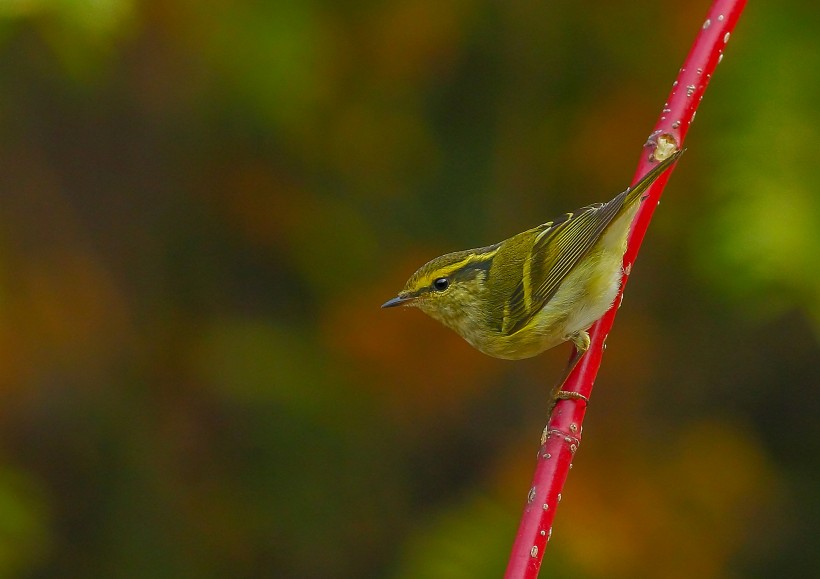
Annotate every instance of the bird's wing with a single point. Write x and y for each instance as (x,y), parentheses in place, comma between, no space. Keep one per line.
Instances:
(560,245)
(555,252)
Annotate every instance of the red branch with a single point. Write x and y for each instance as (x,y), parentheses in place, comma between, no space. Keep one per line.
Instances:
(563,434)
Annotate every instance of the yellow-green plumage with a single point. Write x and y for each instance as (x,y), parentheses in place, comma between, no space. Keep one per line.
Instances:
(536,289)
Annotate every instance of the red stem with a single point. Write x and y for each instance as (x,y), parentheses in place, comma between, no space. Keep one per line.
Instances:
(564,429)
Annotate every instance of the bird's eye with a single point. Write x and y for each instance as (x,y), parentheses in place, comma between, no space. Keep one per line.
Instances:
(441,284)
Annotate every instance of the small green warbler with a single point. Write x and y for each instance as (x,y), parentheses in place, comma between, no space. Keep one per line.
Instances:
(521,296)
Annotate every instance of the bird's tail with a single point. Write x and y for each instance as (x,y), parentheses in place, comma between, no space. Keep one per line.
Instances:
(627,200)
(636,192)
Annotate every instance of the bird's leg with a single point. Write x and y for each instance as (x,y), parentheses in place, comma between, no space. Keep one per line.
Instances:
(581,341)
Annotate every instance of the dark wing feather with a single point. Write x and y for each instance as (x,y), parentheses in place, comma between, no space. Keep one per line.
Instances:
(555,252)
(558,246)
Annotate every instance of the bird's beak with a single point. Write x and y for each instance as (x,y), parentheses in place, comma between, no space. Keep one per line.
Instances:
(399,300)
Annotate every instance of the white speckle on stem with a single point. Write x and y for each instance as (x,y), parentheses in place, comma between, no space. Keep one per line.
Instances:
(726,37)
(707,24)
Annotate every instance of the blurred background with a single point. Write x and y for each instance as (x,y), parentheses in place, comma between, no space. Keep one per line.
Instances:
(204,203)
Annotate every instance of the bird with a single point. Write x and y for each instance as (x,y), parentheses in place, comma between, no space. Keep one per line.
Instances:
(535,290)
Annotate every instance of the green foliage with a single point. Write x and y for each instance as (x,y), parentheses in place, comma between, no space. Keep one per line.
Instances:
(204,203)
(471,539)
(765,250)
(25,537)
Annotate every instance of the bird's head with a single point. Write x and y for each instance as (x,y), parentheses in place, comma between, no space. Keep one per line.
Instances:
(450,288)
